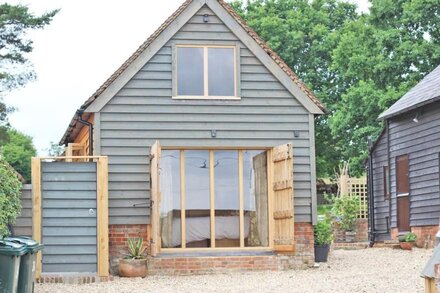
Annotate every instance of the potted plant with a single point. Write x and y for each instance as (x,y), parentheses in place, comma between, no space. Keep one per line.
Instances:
(323,238)
(345,210)
(134,264)
(407,241)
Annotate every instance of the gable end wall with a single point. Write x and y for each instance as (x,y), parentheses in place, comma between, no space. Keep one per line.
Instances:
(143,111)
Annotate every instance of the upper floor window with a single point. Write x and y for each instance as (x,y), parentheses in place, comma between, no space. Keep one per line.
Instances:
(206,72)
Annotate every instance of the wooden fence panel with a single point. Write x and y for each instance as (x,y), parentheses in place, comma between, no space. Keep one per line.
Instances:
(23,224)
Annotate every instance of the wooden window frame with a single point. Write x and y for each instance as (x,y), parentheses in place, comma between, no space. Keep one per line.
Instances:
(212,201)
(206,95)
(386,182)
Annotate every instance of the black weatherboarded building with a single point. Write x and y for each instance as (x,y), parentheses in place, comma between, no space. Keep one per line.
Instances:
(405,161)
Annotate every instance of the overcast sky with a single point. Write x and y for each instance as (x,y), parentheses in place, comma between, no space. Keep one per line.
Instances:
(86,42)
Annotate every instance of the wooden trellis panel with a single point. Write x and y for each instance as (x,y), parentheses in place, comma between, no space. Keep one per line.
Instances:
(356,187)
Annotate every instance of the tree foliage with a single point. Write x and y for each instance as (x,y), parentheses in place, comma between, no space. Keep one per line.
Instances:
(18,152)
(357,64)
(15,69)
(15,22)
(54,150)
(10,190)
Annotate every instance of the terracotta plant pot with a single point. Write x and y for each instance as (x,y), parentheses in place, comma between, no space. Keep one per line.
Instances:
(132,268)
(406,245)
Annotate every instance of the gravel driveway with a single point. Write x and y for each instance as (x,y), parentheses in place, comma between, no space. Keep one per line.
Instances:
(368,270)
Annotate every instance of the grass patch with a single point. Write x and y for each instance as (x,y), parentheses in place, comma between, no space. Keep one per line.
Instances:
(324,209)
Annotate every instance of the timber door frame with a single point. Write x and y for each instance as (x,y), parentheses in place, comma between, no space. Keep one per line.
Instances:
(101,202)
(403,193)
(273,187)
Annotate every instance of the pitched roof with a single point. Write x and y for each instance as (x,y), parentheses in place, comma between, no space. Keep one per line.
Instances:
(309,93)
(425,92)
(429,269)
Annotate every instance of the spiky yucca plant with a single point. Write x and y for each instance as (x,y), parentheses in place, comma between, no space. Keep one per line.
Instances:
(135,249)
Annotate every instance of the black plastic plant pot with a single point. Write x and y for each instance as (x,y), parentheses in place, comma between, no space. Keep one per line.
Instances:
(321,252)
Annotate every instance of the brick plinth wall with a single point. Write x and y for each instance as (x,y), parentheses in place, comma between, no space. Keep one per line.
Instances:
(361,232)
(118,237)
(302,257)
(425,235)
(72,279)
(394,233)
(206,265)
(304,243)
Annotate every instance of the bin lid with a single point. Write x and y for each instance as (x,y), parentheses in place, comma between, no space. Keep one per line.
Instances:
(12,248)
(30,244)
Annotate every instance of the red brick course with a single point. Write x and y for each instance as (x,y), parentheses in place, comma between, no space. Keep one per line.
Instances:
(204,265)
(361,232)
(118,237)
(302,257)
(425,235)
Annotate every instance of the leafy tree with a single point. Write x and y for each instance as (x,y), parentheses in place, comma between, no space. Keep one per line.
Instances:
(379,57)
(302,32)
(15,22)
(15,68)
(10,190)
(357,64)
(18,152)
(55,150)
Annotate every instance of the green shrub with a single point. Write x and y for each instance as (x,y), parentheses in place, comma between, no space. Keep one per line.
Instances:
(10,191)
(345,211)
(323,232)
(408,237)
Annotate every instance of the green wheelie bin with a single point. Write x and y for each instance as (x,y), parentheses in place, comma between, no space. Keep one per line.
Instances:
(10,256)
(27,263)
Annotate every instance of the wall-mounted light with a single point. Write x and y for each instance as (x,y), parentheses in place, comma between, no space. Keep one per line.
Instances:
(416,118)
(296,133)
(205,18)
(213,133)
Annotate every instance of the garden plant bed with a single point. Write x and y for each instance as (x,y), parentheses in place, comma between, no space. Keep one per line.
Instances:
(367,270)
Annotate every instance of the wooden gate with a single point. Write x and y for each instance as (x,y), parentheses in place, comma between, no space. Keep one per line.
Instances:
(70,216)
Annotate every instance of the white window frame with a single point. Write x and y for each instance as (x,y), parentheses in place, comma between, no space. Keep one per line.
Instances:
(206,95)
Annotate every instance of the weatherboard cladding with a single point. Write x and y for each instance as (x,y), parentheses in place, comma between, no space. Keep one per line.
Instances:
(23,223)
(381,212)
(421,141)
(145,46)
(143,111)
(426,91)
(68,229)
